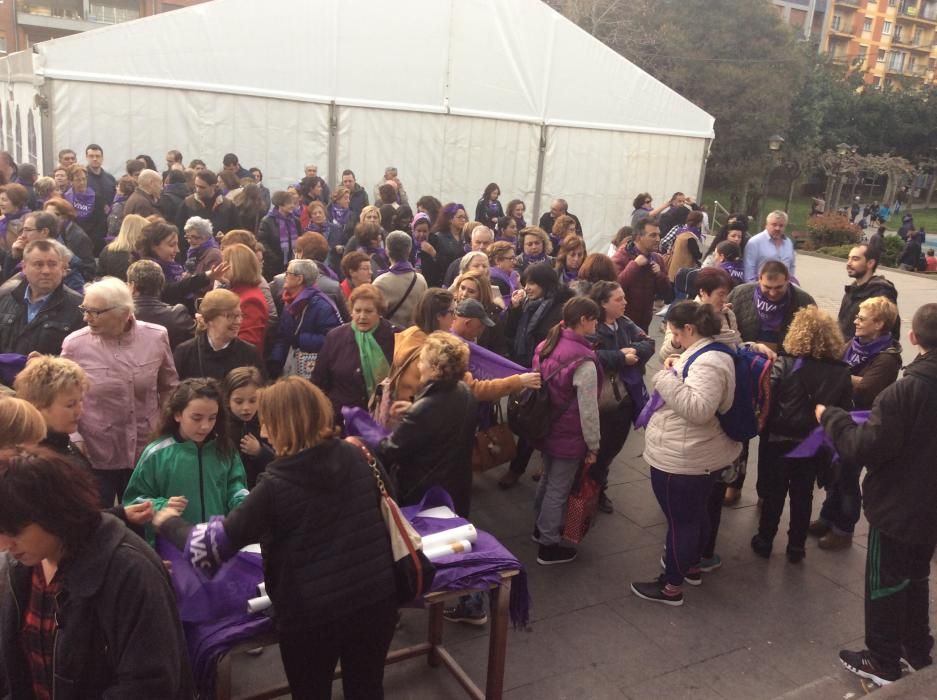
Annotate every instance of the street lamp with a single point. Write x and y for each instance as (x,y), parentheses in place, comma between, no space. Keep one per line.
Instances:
(775,144)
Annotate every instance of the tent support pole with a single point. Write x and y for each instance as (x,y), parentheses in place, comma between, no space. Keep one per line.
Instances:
(333,143)
(538,187)
(702,171)
(46,115)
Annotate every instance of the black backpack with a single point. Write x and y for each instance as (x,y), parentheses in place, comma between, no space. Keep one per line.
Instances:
(530,411)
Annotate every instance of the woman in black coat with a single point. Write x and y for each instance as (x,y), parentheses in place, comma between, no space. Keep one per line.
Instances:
(356,356)
(278,233)
(489,210)
(432,446)
(328,566)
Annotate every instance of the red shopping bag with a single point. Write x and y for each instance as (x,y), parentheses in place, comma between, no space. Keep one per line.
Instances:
(581,507)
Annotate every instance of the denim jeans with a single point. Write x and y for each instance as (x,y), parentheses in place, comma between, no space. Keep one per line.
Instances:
(843,504)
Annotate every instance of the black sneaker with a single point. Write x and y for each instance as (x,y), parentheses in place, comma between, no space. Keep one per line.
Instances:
(795,555)
(605,503)
(761,546)
(465,614)
(550,554)
(863,665)
(654,592)
(694,577)
(913,662)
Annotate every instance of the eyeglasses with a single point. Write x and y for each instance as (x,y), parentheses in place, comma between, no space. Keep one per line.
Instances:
(234,317)
(293,274)
(28,228)
(94,313)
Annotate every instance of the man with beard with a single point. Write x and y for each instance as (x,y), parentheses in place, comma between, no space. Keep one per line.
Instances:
(861,267)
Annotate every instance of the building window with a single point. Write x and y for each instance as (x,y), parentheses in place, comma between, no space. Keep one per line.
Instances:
(876,82)
(867,25)
(892,3)
(886,28)
(837,20)
(881,56)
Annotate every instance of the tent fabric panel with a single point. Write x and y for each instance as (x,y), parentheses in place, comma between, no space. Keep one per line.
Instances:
(278,135)
(600,172)
(450,157)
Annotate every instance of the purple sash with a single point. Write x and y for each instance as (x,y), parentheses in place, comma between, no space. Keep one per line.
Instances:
(82,201)
(819,439)
(484,364)
(770,312)
(858,353)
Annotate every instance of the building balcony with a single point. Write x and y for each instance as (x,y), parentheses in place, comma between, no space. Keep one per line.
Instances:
(907,71)
(68,16)
(847,4)
(926,14)
(911,44)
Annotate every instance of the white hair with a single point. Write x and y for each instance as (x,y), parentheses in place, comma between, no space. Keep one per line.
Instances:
(113,291)
(148,177)
(201,226)
(778,214)
(307,268)
(468,257)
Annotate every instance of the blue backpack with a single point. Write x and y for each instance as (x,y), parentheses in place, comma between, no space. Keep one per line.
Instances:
(749,411)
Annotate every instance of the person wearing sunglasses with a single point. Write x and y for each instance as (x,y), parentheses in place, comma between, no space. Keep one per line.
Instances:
(130,372)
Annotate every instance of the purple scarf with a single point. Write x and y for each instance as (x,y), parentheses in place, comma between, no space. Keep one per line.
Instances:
(171,269)
(858,353)
(818,439)
(734,269)
(286,231)
(569,276)
(305,297)
(338,215)
(770,312)
(694,230)
(9,218)
(512,281)
(534,259)
(401,268)
(195,253)
(521,224)
(326,270)
(82,201)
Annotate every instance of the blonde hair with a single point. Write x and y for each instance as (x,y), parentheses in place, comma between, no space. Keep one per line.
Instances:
(215,303)
(130,235)
(881,309)
(295,414)
(369,209)
(20,423)
(47,376)
(446,354)
(245,267)
(539,233)
(814,333)
(238,235)
(483,282)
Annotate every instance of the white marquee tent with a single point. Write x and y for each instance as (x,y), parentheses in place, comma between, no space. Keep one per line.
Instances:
(455,93)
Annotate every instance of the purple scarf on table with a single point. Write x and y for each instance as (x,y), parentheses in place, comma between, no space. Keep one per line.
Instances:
(195,252)
(82,201)
(858,353)
(734,269)
(770,312)
(338,215)
(171,269)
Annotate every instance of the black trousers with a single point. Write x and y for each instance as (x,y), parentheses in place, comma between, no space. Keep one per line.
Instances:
(714,506)
(111,484)
(522,456)
(780,477)
(897,621)
(614,427)
(360,641)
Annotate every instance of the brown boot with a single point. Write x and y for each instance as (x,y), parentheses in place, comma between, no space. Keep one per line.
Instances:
(732,496)
(509,480)
(833,540)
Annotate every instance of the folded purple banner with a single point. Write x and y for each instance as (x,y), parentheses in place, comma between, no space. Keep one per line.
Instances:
(480,568)
(650,408)
(819,439)
(484,364)
(359,423)
(11,364)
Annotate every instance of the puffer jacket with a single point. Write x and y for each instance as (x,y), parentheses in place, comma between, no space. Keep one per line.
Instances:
(684,436)
(742,299)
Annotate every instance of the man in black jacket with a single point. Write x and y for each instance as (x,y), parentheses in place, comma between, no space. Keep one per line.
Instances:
(146,279)
(558,207)
(37,314)
(861,266)
(359,196)
(899,493)
(105,187)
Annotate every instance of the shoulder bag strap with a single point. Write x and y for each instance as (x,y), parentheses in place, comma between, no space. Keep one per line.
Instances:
(406,363)
(402,299)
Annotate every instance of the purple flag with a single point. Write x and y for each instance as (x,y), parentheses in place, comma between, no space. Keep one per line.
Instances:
(11,364)
(484,364)
(818,439)
(359,423)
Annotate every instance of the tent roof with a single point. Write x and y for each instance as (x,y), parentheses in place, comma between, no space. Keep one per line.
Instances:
(511,60)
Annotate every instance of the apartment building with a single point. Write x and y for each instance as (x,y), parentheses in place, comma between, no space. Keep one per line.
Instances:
(27,22)
(892,43)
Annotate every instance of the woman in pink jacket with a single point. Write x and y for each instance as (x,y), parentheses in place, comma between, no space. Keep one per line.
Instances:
(130,369)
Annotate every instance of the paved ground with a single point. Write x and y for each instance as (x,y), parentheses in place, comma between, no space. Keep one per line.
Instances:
(754,629)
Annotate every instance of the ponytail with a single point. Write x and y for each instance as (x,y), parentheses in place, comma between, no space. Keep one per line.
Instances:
(573,310)
(701,316)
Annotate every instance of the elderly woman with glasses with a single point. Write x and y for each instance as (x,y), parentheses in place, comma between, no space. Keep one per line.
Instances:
(356,356)
(216,348)
(203,253)
(130,370)
(308,315)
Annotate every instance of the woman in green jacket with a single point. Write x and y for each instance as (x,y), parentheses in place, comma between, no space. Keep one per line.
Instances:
(192,466)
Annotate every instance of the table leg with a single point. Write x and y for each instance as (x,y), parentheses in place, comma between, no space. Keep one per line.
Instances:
(434,634)
(498,638)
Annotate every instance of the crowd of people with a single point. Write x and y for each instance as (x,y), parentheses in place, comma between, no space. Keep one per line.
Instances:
(181,349)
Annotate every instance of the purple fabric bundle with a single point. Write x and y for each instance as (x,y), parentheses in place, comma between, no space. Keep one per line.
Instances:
(818,439)
(479,568)
(214,610)
(485,364)
(11,364)
(359,423)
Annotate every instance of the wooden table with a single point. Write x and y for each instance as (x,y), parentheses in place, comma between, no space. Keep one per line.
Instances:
(434,651)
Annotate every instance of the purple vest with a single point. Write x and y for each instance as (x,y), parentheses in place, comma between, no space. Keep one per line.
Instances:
(565,439)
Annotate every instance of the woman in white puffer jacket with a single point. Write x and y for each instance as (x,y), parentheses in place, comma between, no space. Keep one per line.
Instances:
(686,446)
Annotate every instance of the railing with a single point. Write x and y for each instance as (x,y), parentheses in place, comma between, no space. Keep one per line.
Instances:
(718,211)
